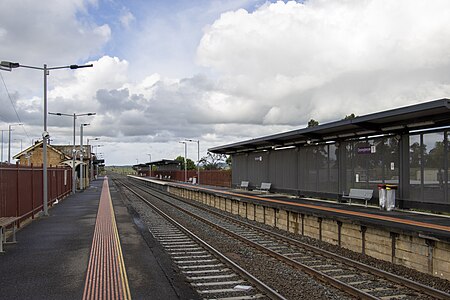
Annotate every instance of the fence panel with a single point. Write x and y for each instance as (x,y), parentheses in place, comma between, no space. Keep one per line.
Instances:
(21,190)
(207,177)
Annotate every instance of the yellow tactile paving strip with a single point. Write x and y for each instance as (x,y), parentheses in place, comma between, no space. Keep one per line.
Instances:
(106,276)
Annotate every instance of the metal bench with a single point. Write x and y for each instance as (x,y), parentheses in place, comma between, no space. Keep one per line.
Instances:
(360,194)
(265,187)
(6,222)
(244,185)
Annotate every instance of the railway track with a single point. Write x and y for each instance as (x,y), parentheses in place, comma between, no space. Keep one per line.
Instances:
(354,278)
(213,275)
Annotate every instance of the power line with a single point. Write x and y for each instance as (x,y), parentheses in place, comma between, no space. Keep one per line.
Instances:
(12,104)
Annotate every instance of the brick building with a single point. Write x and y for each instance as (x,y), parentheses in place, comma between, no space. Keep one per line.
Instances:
(58,155)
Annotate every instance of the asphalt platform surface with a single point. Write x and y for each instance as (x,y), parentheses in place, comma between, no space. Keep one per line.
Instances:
(50,258)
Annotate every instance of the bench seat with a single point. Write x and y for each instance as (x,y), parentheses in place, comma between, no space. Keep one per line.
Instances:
(4,223)
(244,185)
(359,194)
(265,187)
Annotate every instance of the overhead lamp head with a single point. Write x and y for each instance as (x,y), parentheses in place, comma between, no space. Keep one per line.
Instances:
(9,65)
(73,67)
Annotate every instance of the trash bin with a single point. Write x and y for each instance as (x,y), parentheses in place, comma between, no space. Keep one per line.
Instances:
(382,195)
(390,196)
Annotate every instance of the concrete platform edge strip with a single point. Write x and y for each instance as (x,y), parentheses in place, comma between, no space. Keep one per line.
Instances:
(106,276)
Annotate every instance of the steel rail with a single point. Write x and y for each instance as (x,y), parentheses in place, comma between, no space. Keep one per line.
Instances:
(316,274)
(363,267)
(271,293)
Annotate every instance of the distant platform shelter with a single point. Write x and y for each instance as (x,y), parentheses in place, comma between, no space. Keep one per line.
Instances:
(407,147)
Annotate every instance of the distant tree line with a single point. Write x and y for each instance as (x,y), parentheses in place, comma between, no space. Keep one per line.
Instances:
(314,123)
(212,161)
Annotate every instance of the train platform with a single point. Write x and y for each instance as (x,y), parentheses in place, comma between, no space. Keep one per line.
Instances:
(426,225)
(91,246)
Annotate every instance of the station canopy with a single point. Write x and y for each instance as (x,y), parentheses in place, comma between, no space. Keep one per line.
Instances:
(396,121)
(163,162)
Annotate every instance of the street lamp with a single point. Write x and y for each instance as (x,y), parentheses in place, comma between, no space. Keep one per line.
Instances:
(81,155)
(198,158)
(8,66)
(74,116)
(185,164)
(96,156)
(9,140)
(3,130)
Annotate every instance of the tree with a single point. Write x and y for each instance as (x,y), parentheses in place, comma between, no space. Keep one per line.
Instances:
(189,163)
(212,161)
(350,116)
(313,123)
(435,158)
(228,161)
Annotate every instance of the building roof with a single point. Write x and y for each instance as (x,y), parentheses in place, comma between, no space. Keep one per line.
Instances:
(39,145)
(163,162)
(400,120)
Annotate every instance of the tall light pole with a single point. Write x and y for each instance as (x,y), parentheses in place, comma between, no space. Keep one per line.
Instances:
(3,130)
(198,158)
(91,165)
(9,141)
(95,151)
(74,150)
(185,164)
(82,156)
(8,66)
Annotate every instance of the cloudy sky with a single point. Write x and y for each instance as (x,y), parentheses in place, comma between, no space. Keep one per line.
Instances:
(218,71)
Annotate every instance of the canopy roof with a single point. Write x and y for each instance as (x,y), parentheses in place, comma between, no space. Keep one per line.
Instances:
(164,162)
(400,120)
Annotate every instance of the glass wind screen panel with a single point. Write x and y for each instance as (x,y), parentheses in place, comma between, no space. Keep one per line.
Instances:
(415,167)
(433,167)
(362,158)
(334,170)
(375,161)
(391,161)
(311,169)
(322,167)
(349,172)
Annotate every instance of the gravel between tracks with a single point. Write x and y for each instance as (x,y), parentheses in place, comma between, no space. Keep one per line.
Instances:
(293,284)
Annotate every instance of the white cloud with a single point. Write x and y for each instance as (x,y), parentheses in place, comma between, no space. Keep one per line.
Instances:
(52,32)
(303,58)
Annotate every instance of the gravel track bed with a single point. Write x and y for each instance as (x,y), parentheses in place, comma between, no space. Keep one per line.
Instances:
(426,279)
(284,279)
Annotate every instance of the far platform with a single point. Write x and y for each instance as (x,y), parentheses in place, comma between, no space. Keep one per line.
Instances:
(424,225)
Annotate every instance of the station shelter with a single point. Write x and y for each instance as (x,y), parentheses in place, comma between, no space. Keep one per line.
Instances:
(406,147)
